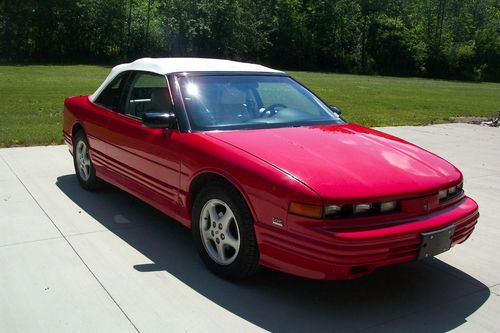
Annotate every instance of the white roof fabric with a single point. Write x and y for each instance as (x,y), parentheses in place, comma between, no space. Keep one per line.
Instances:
(174,65)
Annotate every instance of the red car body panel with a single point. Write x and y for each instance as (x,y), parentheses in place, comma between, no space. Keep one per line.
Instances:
(350,162)
(318,165)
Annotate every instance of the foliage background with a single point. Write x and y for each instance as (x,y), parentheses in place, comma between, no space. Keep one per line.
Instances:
(454,39)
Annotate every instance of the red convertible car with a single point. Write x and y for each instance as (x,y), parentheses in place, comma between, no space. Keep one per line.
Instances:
(263,171)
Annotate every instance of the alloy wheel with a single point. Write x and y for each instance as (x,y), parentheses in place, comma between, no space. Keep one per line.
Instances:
(83,160)
(219,232)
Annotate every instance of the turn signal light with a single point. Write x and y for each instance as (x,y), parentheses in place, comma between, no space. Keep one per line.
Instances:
(306,210)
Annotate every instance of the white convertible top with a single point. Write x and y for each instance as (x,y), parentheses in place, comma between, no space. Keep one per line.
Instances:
(174,65)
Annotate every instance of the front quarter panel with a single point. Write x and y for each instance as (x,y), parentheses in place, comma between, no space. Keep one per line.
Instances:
(267,190)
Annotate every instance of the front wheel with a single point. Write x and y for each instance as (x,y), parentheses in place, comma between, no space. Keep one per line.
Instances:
(84,169)
(223,232)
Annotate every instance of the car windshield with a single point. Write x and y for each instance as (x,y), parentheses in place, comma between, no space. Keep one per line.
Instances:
(218,102)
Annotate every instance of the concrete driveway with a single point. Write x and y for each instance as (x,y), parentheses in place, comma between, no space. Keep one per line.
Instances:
(75,261)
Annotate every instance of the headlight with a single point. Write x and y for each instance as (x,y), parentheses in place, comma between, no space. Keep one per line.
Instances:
(333,210)
(388,206)
(347,210)
(362,208)
(450,192)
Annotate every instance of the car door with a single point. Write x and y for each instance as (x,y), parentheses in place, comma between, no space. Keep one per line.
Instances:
(146,158)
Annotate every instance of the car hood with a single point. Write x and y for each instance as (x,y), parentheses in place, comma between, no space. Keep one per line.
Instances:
(348,161)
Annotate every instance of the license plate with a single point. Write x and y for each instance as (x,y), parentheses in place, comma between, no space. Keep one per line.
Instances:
(436,242)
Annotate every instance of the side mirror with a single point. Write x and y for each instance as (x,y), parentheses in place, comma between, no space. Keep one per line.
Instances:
(158,120)
(335,109)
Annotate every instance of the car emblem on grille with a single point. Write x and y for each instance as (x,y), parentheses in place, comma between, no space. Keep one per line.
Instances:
(426,206)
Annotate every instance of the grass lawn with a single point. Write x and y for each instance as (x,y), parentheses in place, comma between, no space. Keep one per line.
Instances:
(385,101)
(32,99)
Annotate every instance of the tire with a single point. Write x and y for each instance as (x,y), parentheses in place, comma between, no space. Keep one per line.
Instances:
(234,236)
(84,168)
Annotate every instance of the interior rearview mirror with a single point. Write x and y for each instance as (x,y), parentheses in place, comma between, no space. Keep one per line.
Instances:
(158,120)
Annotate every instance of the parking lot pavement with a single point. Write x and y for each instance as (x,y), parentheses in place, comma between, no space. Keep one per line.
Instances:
(106,262)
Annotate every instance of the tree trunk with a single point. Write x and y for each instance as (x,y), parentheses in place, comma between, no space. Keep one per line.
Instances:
(150,3)
(364,34)
(129,23)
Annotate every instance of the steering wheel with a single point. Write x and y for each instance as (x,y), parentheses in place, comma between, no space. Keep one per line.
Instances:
(271,110)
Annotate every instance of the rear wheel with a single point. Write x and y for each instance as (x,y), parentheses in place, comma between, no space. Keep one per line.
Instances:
(84,169)
(223,231)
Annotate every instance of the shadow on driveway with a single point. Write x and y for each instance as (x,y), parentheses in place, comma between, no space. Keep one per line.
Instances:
(280,302)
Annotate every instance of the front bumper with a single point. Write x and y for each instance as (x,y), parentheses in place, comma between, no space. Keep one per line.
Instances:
(355,253)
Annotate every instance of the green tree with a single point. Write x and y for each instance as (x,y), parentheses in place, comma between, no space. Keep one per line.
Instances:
(437,38)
